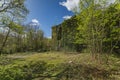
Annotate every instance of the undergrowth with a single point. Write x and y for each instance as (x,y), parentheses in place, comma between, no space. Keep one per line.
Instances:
(58,66)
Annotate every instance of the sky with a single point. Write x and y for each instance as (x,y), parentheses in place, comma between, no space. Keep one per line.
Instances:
(48,13)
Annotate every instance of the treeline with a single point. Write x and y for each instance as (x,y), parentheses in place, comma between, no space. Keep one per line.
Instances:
(95,29)
(27,39)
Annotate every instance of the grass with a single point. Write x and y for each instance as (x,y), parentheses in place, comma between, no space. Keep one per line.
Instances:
(59,66)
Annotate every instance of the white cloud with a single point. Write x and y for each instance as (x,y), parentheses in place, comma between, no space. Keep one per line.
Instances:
(34,24)
(71,4)
(35,21)
(66,17)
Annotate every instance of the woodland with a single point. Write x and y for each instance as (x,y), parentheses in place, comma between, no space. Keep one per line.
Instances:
(84,47)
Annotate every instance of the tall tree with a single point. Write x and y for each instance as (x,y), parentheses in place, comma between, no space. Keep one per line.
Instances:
(12,12)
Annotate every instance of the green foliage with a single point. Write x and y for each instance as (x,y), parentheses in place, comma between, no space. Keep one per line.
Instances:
(99,29)
(96,28)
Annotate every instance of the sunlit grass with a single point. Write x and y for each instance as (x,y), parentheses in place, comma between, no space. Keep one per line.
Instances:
(55,59)
(61,57)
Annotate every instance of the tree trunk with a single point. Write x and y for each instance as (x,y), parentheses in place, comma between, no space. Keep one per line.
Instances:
(4,42)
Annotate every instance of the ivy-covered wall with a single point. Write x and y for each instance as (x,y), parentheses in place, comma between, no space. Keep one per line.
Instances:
(64,35)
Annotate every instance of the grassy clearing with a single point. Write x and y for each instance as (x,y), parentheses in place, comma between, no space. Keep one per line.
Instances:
(58,66)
